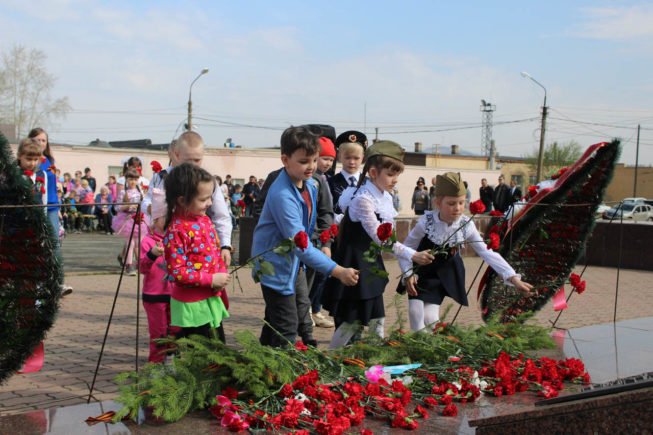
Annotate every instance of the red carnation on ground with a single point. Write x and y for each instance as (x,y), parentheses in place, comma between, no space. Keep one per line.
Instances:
(325,236)
(384,231)
(301,240)
(156,166)
(300,346)
(451,410)
(494,241)
(333,229)
(477,207)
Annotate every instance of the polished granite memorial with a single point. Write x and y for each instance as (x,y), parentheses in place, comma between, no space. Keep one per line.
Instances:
(618,357)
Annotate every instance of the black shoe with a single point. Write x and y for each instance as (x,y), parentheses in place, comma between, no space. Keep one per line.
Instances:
(310,341)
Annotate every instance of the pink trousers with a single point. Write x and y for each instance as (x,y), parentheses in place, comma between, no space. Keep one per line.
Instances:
(158,321)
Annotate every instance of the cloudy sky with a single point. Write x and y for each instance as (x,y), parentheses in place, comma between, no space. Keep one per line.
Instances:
(416,70)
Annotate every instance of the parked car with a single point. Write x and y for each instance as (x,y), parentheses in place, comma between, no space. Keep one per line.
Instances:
(602,208)
(630,210)
(638,200)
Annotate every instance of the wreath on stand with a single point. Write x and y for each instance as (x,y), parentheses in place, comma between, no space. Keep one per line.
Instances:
(30,272)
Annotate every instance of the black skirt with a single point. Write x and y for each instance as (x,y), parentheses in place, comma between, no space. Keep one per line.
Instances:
(444,277)
(364,301)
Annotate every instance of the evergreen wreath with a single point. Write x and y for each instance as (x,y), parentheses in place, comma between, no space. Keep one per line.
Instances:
(30,272)
(545,241)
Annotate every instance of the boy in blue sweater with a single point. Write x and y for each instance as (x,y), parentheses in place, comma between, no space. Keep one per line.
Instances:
(293,210)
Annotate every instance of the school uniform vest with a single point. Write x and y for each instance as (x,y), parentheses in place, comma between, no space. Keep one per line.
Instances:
(363,301)
(445,276)
(337,185)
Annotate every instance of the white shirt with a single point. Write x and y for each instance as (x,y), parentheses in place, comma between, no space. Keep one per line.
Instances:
(219,213)
(441,232)
(363,207)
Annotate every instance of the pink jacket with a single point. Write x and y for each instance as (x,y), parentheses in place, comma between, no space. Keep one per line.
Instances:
(155,287)
(192,253)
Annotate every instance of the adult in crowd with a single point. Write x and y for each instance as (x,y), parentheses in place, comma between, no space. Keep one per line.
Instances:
(91,180)
(486,193)
(515,192)
(47,165)
(502,199)
(432,191)
(420,201)
(468,195)
(250,193)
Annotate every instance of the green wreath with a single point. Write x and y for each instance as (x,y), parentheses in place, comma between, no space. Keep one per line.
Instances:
(30,272)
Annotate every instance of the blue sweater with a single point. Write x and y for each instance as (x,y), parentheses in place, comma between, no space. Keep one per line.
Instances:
(284,215)
(52,184)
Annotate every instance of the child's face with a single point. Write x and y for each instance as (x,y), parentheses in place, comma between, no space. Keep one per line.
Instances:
(324,163)
(450,207)
(28,163)
(300,166)
(352,159)
(385,179)
(132,183)
(202,200)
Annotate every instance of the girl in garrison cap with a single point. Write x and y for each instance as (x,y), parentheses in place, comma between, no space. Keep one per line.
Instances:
(446,230)
(371,205)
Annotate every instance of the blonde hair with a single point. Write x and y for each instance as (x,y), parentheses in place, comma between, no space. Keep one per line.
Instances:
(350,147)
(29,148)
(189,139)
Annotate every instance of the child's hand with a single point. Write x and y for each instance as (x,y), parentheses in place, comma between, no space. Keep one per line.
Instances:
(220,280)
(423,258)
(157,250)
(522,286)
(347,276)
(326,251)
(411,285)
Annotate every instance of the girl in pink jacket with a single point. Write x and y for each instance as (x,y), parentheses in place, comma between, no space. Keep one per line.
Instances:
(156,288)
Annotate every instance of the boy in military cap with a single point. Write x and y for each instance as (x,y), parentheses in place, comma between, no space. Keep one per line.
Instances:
(351,149)
(359,305)
(445,230)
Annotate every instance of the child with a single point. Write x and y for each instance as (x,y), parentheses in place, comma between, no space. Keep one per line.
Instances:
(351,149)
(103,212)
(235,198)
(445,226)
(156,289)
(28,159)
(293,210)
(195,268)
(124,220)
(362,305)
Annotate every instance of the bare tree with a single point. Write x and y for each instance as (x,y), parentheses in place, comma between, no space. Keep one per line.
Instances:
(25,87)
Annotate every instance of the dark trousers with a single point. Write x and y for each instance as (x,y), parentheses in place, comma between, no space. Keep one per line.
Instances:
(105,220)
(204,330)
(287,315)
(316,281)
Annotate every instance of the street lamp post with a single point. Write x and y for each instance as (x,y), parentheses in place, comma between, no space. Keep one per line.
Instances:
(540,155)
(190,101)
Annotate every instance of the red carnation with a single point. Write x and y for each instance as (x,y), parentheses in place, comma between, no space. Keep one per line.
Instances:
(28,173)
(384,231)
(496,213)
(333,229)
(301,240)
(580,288)
(532,191)
(230,393)
(477,207)
(156,166)
(300,346)
(494,241)
(325,236)
(52,168)
(574,279)
(451,410)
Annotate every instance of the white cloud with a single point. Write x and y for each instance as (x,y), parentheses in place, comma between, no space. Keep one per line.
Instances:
(618,23)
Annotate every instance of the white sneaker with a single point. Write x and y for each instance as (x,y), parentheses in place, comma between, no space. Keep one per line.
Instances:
(321,321)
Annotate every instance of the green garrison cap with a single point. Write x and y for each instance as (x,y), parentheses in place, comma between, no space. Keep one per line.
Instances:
(386,148)
(449,184)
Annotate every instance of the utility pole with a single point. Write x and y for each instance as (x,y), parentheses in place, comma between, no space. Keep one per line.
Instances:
(376,134)
(636,163)
(540,156)
(487,109)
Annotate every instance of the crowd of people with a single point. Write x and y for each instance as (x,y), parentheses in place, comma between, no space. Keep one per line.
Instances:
(187,215)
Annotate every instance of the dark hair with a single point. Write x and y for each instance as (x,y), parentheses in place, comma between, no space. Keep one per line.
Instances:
(219,180)
(380,162)
(183,182)
(87,170)
(131,163)
(132,173)
(47,152)
(296,138)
